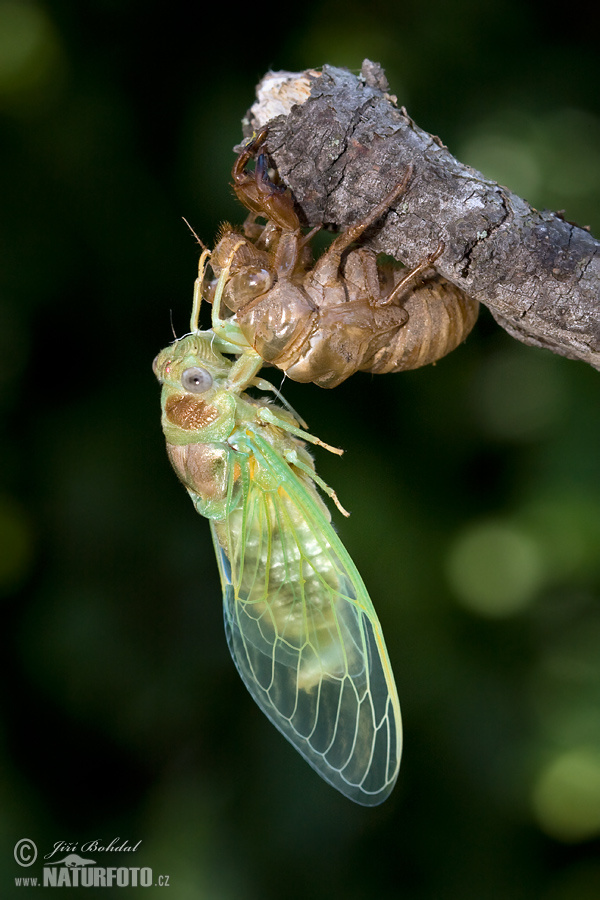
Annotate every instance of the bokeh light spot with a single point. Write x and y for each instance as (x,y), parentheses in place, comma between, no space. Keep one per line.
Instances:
(566,798)
(30,54)
(494,569)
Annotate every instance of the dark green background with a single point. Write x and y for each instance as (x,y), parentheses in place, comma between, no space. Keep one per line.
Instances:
(474,485)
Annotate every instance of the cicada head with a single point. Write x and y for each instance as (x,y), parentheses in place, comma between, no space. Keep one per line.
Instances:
(197,349)
(236,250)
(197,408)
(249,269)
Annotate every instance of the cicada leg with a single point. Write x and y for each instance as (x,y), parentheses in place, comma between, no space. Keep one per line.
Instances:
(294,460)
(224,328)
(257,192)
(327,268)
(198,295)
(413,273)
(265,414)
(229,333)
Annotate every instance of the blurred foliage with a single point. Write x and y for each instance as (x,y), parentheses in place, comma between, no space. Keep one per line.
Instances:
(474,485)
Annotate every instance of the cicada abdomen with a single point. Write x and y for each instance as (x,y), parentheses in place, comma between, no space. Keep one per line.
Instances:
(440,317)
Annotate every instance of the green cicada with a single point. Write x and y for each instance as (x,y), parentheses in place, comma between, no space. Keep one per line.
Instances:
(300,625)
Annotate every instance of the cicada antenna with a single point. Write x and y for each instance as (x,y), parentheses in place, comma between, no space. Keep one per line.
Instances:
(200,241)
(172,325)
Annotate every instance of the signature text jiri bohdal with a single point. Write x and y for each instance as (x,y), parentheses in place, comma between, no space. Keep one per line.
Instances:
(117,845)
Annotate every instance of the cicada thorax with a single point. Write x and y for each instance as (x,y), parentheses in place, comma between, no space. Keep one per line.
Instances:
(278,323)
(264,291)
(192,418)
(348,318)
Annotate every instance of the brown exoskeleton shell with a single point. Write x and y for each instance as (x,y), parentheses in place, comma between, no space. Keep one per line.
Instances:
(322,321)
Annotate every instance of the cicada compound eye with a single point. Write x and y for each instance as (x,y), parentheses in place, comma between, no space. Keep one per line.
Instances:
(245,286)
(257,282)
(196,380)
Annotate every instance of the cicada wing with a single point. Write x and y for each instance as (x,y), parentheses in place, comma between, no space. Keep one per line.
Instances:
(306,640)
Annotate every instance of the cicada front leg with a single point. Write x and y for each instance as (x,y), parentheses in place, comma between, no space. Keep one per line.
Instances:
(257,192)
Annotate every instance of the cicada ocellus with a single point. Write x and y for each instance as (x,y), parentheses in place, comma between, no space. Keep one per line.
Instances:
(299,622)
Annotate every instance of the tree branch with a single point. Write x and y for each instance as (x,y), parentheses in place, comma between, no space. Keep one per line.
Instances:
(340,143)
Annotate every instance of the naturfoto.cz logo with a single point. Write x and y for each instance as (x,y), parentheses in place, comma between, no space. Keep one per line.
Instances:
(74,870)
(84,875)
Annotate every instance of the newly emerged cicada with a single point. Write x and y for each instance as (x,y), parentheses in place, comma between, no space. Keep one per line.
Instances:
(300,626)
(322,321)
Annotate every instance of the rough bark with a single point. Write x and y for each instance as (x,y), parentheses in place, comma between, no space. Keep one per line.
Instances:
(340,143)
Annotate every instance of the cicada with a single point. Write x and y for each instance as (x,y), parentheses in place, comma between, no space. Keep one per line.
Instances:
(300,626)
(323,320)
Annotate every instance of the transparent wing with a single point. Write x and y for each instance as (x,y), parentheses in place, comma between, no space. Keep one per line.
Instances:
(304,635)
